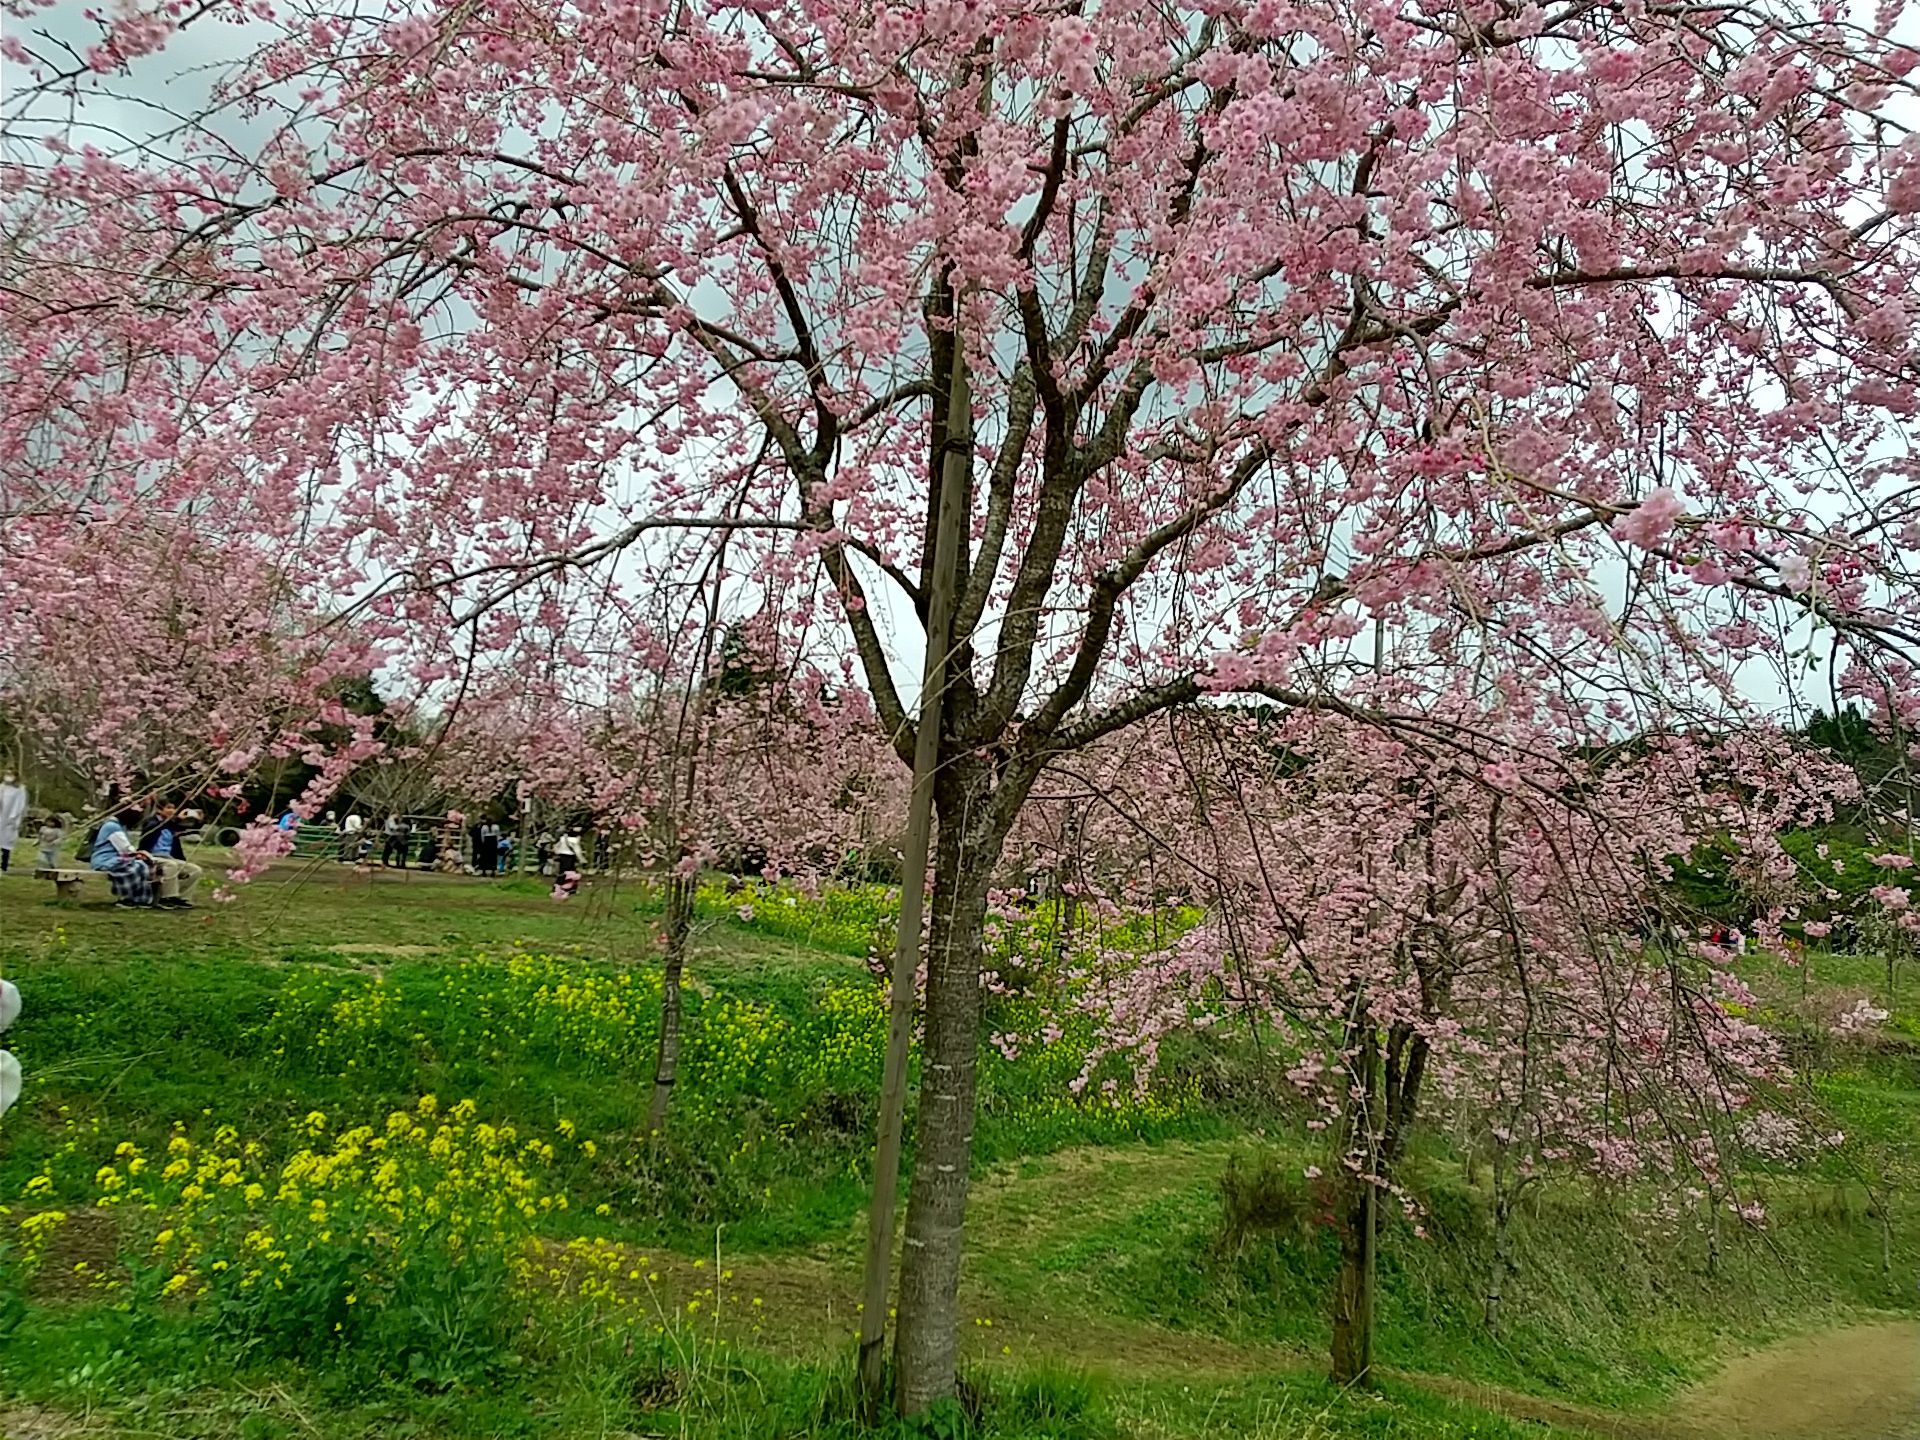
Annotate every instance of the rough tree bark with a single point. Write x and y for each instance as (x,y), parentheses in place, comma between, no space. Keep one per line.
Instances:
(952,498)
(1352,1350)
(678,924)
(1388,1085)
(972,830)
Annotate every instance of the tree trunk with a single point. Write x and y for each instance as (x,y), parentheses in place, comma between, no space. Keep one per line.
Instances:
(1502,1250)
(1497,1275)
(1353,1294)
(678,924)
(949,547)
(926,1338)
(1353,1297)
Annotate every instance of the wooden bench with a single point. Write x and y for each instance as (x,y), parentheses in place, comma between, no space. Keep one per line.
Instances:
(67,883)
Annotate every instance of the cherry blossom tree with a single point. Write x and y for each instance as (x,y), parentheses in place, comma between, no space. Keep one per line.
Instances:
(141,654)
(1569,342)
(1469,916)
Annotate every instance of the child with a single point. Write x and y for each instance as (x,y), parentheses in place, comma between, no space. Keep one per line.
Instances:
(53,835)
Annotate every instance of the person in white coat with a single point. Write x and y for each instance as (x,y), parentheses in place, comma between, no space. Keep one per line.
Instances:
(13,810)
(9,1067)
(566,864)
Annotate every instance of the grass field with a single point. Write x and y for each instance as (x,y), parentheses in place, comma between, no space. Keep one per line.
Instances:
(457,1073)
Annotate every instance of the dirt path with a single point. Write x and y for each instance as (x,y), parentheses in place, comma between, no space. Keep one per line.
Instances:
(1859,1383)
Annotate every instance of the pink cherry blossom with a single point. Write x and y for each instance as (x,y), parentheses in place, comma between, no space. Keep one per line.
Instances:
(1648,523)
(1891,896)
(1863,1015)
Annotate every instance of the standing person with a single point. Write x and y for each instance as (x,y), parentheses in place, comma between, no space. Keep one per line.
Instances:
(53,835)
(395,831)
(487,858)
(566,863)
(503,854)
(350,837)
(543,849)
(174,875)
(13,810)
(126,869)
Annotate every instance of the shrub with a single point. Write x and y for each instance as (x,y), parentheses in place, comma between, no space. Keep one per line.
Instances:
(843,918)
(526,1006)
(1268,1197)
(412,1242)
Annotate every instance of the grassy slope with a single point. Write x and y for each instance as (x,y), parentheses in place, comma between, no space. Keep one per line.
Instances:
(1100,1260)
(1605,1309)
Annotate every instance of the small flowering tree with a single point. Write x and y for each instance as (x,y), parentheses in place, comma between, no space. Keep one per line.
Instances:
(691,755)
(1460,916)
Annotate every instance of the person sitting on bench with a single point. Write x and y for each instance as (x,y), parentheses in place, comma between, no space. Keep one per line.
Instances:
(174,876)
(126,868)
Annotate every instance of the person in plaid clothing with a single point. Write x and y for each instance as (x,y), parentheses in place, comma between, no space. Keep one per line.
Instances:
(128,871)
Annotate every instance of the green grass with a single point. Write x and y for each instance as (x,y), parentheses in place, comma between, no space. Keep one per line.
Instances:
(1305,1407)
(1094,1237)
(1607,1307)
(774,1108)
(127,1374)
(137,1022)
